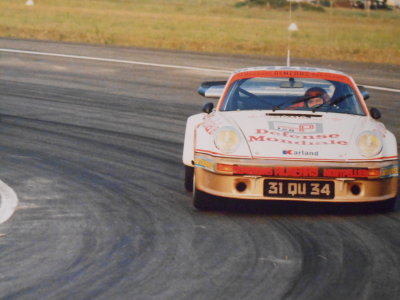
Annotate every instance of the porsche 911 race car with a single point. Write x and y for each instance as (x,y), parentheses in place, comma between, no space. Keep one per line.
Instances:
(289,133)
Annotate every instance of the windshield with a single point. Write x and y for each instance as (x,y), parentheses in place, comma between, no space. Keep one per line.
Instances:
(304,94)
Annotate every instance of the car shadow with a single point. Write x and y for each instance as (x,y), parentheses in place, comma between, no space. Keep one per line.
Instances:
(299,208)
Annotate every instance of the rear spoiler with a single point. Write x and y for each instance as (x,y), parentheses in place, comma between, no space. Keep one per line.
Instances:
(212,89)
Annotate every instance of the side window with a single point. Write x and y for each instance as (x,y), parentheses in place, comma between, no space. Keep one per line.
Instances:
(351,103)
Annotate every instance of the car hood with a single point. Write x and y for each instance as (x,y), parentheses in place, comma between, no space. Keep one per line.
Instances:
(294,135)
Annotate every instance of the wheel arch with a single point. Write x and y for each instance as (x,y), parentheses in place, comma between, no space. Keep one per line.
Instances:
(188,145)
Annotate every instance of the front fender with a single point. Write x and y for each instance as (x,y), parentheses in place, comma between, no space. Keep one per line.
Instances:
(188,145)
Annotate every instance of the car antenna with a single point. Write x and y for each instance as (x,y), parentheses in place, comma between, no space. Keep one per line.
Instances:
(292,27)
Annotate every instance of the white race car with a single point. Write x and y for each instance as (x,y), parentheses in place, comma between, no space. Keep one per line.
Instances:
(289,133)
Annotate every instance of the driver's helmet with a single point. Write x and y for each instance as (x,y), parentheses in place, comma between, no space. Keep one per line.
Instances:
(318,96)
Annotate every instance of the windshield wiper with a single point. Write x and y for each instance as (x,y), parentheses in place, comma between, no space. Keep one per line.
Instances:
(291,102)
(333,102)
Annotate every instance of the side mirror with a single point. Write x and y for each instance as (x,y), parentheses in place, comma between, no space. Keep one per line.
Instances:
(211,89)
(208,107)
(375,113)
(291,84)
(364,92)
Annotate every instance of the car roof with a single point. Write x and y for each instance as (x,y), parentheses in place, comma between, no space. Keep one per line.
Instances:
(285,68)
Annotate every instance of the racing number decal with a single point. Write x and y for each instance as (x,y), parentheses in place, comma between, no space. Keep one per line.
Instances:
(299,189)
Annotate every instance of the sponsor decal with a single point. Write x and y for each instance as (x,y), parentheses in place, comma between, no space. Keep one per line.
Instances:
(277,171)
(346,173)
(210,126)
(295,127)
(391,171)
(296,171)
(204,163)
(312,172)
(290,73)
(284,137)
(300,153)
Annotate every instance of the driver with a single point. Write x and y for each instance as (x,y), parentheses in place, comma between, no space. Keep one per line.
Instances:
(318,96)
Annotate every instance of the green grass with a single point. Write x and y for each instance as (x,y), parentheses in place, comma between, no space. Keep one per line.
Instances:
(208,25)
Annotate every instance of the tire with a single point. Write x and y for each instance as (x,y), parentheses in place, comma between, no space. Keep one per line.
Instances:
(387,205)
(201,200)
(189,172)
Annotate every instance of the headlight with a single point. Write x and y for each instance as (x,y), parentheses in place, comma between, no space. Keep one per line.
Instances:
(369,144)
(227,139)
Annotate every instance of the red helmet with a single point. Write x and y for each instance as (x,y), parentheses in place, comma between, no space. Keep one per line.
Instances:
(317,96)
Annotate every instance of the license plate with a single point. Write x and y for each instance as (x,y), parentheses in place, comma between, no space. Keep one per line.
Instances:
(299,189)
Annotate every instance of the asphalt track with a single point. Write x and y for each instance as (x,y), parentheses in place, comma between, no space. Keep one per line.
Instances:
(93,151)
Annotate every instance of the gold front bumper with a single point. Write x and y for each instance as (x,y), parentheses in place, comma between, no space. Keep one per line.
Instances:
(367,190)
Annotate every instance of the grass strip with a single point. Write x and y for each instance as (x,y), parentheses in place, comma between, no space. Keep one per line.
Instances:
(208,26)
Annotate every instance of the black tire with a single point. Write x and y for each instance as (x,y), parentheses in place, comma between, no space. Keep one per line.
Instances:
(189,171)
(387,205)
(201,200)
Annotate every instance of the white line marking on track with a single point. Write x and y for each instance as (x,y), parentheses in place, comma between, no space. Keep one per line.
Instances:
(382,89)
(132,62)
(9,202)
